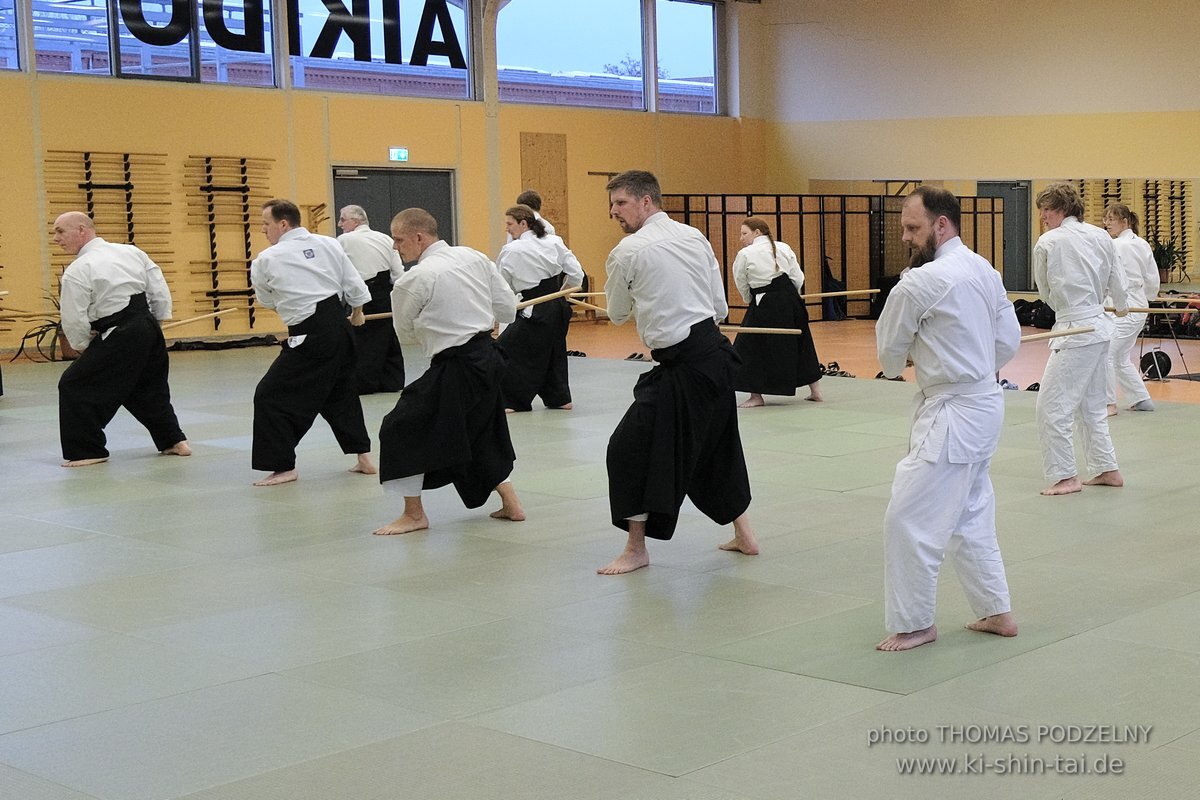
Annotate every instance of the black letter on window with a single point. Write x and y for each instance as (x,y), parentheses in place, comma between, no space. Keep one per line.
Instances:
(391,32)
(174,32)
(356,24)
(249,42)
(425,46)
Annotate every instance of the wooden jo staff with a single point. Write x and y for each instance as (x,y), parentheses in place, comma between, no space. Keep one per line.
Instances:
(1156,310)
(819,295)
(546,298)
(740,329)
(190,320)
(1037,337)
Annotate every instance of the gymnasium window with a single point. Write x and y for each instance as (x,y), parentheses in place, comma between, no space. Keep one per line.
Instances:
(583,52)
(8,35)
(687,56)
(412,48)
(218,41)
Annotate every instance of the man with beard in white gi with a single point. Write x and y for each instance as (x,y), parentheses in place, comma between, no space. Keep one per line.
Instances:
(380,359)
(952,319)
(680,437)
(306,278)
(449,425)
(112,300)
(1074,264)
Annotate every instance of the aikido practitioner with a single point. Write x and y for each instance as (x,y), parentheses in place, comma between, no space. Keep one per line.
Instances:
(535,264)
(1074,266)
(380,359)
(1136,260)
(449,425)
(533,200)
(769,278)
(680,437)
(952,319)
(112,300)
(306,278)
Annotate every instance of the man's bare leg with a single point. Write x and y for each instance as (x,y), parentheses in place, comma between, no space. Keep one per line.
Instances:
(276,478)
(634,556)
(999,624)
(814,391)
(84,462)
(413,519)
(1110,478)
(1069,485)
(743,540)
(178,449)
(907,641)
(753,401)
(511,509)
(364,465)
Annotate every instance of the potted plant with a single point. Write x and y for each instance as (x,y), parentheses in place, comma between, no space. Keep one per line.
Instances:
(1167,254)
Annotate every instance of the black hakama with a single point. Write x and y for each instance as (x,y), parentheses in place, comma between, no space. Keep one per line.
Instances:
(680,437)
(536,347)
(775,363)
(124,365)
(380,360)
(450,424)
(317,376)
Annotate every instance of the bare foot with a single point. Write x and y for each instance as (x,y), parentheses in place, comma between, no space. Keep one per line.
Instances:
(1112,409)
(999,624)
(907,641)
(276,478)
(364,465)
(628,561)
(510,411)
(563,407)
(814,393)
(743,540)
(1069,485)
(1110,478)
(404,524)
(178,449)
(753,401)
(511,514)
(84,462)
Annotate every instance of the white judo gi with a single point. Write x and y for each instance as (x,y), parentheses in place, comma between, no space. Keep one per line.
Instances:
(1136,260)
(952,319)
(1074,266)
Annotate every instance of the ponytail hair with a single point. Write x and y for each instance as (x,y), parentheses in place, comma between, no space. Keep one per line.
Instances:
(759,226)
(1123,213)
(523,213)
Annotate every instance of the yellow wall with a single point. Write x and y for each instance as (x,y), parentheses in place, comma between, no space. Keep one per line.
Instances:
(305,133)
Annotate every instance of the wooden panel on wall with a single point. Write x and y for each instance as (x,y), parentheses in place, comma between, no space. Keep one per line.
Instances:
(544,169)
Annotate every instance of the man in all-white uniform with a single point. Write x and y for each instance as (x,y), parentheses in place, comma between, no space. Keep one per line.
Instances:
(380,360)
(449,425)
(680,436)
(306,278)
(952,319)
(112,300)
(1074,266)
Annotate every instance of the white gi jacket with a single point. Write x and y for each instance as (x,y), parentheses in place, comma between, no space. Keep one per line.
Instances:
(1136,260)
(451,294)
(666,275)
(1074,266)
(755,267)
(100,281)
(952,318)
(527,261)
(371,252)
(302,269)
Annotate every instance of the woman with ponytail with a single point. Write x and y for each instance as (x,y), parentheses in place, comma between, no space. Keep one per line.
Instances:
(1136,260)
(769,279)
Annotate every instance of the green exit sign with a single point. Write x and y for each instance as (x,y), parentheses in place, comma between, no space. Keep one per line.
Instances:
(397,154)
